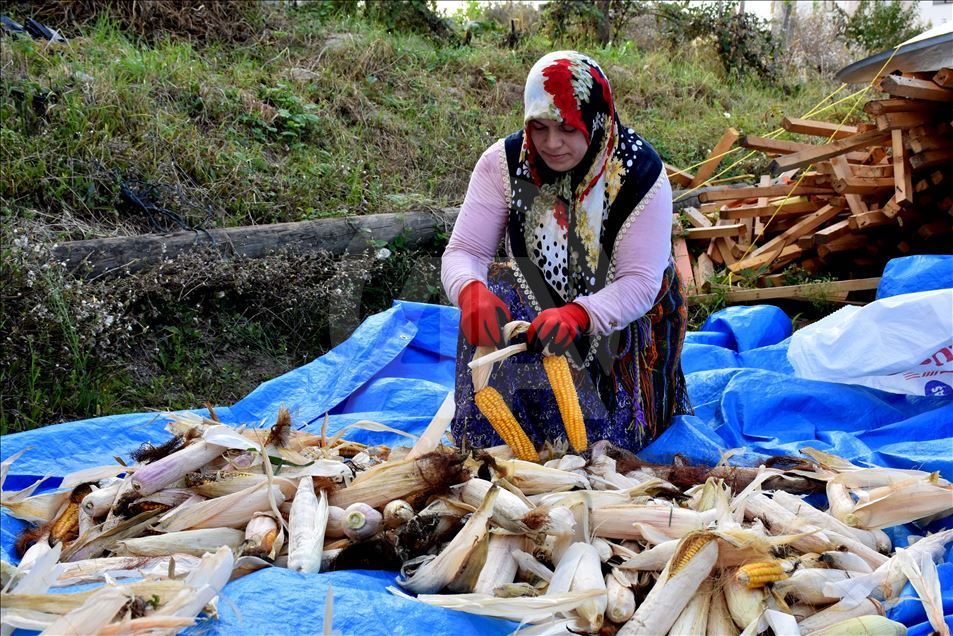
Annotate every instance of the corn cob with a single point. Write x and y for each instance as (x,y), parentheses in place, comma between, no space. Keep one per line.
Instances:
(745,605)
(690,565)
(620,598)
(495,410)
(839,612)
(871,625)
(719,620)
(194,542)
(560,379)
(694,618)
(760,573)
(500,567)
(508,510)
(66,526)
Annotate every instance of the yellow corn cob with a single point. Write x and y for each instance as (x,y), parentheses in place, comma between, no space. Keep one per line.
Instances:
(560,378)
(757,574)
(66,526)
(689,546)
(494,409)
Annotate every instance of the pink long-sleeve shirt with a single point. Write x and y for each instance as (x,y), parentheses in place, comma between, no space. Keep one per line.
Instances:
(642,254)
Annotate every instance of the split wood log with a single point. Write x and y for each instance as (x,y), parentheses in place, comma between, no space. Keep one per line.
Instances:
(817,128)
(900,86)
(826,151)
(714,159)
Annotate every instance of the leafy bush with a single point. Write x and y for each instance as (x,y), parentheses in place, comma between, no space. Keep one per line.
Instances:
(878,25)
(601,21)
(744,42)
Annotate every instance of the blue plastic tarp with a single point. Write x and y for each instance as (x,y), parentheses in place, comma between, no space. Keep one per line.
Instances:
(398,367)
(923,272)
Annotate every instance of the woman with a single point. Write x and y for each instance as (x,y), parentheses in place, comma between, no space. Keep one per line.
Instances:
(585,209)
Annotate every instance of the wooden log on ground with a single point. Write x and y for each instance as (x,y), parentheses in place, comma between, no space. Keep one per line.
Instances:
(336,236)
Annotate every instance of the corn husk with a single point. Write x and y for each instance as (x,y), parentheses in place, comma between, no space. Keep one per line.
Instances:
(96,570)
(838,612)
(60,604)
(694,618)
(230,511)
(528,564)
(38,509)
(619,522)
(620,599)
(843,560)
(436,572)
(744,605)
(871,542)
(465,581)
(522,609)
(679,580)
(194,542)
(902,503)
(925,580)
(99,501)
(99,540)
(399,479)
(719,619)
(534,479)
(230,483)
(507,511)
(863,626)
(808,586)
(173,467)
(580,570)
(306,526)
(500,567)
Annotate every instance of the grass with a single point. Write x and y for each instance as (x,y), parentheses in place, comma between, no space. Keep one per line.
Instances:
(321,120)
(312,119)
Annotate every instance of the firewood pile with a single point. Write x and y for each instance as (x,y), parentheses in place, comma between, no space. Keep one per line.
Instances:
(842,208)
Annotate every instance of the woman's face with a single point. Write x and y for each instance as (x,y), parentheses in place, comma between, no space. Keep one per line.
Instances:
(562,147)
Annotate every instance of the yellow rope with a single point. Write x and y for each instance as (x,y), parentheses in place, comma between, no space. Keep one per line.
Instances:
(814,110)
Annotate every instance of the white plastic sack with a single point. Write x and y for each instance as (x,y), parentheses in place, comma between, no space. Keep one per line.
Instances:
(901,344)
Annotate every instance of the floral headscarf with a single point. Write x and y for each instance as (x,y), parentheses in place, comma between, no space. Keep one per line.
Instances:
(563,226)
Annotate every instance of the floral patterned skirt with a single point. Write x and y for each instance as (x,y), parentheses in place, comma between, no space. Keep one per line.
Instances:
(628,401)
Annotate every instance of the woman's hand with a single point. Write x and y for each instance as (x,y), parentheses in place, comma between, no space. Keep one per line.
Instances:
(482,315)
(556,328)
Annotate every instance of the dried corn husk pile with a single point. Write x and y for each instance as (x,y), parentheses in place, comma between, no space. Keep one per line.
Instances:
(592,544)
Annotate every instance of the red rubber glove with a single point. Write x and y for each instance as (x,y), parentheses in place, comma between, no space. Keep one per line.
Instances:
(557,328)
(482,315)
